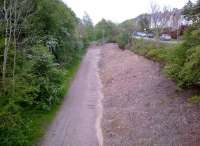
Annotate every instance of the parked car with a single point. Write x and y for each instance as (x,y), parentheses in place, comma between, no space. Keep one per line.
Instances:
(150,35)
(165,37)
(141,34)
(135,33)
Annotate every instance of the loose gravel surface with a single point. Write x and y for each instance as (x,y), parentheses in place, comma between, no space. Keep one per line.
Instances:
(141,107)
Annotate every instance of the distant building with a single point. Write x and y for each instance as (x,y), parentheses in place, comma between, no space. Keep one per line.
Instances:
(176,25)
(175,21)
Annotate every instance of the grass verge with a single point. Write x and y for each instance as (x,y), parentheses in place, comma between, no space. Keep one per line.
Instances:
(149,50)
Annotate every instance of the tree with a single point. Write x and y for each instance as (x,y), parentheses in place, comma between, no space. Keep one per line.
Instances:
(14,14)
(144,22)
(38,47)
(159,19)
(129,25)
(188,10)
(105,30)
(88,27)
(191,11)
(176,21)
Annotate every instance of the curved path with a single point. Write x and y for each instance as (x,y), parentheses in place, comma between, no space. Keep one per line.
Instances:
(78,121)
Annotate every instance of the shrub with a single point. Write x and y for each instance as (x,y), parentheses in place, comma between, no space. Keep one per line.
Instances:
(184,65)
(46,47)
(122,39)
(149,50)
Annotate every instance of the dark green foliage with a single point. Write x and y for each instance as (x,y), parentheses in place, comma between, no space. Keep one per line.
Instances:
(185,62)
(48,51)
(88,34)
(105,30)
(191,11)
(122,39)
(54,25)
(184,65)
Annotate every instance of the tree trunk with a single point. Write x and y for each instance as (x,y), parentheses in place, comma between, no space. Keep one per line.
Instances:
(6,45)
(177,37)
(14,43)
(157,39)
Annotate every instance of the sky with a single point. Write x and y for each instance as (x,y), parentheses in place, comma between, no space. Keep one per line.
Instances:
(117,10)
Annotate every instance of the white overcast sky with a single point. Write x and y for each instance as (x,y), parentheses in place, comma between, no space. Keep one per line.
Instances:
(117,10)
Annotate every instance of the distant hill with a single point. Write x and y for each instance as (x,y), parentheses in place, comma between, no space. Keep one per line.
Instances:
(139,23)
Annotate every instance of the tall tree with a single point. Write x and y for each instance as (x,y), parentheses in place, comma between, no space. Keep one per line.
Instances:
(105,29)
(191,11)
(88,26)
(144,22)
(188,10)
(176,21)
(159,19)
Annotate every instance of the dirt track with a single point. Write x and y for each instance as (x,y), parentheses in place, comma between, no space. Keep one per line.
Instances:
(78,121)
(141,107)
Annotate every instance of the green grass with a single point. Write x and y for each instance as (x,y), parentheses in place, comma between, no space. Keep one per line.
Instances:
(150,51)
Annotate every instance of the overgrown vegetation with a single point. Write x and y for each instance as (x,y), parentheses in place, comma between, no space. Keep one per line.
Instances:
(150,50)
(40,45)
(107,31)
(184,64)
(182,61)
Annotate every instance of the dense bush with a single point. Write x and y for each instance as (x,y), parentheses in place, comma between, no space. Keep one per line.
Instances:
(106,31)
(48,49)
(184,65)
(122,39)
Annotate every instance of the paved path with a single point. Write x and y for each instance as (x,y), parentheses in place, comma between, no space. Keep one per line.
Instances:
(78,121)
